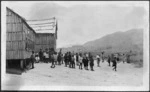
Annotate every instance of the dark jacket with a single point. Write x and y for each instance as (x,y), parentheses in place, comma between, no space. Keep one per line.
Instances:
(77,57)
(32,58)
(91,61)
(59,57)
(69,57)
(114,62)
(40,53)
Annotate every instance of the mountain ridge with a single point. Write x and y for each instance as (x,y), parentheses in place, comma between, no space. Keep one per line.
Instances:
(116,42)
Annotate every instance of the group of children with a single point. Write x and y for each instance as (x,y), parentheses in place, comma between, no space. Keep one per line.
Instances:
(42,56)
(109,59)
(73,59)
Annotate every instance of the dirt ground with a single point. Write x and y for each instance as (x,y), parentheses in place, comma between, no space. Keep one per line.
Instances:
(43,75)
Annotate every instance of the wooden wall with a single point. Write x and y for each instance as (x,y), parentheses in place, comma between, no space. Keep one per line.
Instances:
(45,40)
(20,37)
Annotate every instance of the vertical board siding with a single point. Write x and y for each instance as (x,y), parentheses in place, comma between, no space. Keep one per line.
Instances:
(21,39)
(15,45)
(17,32)
(44,41)
(14,36)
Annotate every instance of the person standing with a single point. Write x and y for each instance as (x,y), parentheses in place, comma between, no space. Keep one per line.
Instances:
(32,59)
(62,58)
(59,58)
(44,56)
(109,59)
(86,61)
(41,55)
(102,56)
(112,58)
(80,61)
(91,61)
(128,58)
(50,54)
(77,58)
(65,59)
(72,61)
(118,57)
(37,58)
(69,61)
(115,64)
(53,60)
(98,60)
(47,57)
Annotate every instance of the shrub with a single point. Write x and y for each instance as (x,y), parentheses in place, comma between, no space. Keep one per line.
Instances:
(137,60)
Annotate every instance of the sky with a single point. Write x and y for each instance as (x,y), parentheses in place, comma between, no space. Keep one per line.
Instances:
(83,21)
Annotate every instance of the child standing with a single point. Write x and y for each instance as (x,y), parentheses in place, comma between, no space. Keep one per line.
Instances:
(80,61)
(115,64)
(98,60)
(91,62)
(32,59)
(65,59)
(86,61)
(109,60)
(53,57)
(37,58)
(72,61)
(77,58)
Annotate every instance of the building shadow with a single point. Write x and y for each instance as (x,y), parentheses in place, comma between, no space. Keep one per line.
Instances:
(14,71)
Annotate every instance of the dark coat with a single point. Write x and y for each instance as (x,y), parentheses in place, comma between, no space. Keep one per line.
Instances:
(86,61)
(59,57)
(65,57)
(40,54)
(77,58)
(108,59)
(91,61)
(32,58)
(69,57)
(114,62)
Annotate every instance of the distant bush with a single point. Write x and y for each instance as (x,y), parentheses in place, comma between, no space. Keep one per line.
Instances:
(137,60)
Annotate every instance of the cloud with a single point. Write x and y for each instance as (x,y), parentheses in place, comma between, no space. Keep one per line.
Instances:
(45,10)
(135,18)
(88,23)
(79,23)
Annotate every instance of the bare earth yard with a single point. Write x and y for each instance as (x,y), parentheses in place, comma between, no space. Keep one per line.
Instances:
(43,75)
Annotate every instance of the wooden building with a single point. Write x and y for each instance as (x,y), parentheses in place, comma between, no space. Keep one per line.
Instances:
(45,41)
(22,39)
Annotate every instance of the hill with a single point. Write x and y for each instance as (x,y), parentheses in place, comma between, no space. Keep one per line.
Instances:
(119,41)
(116,42)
